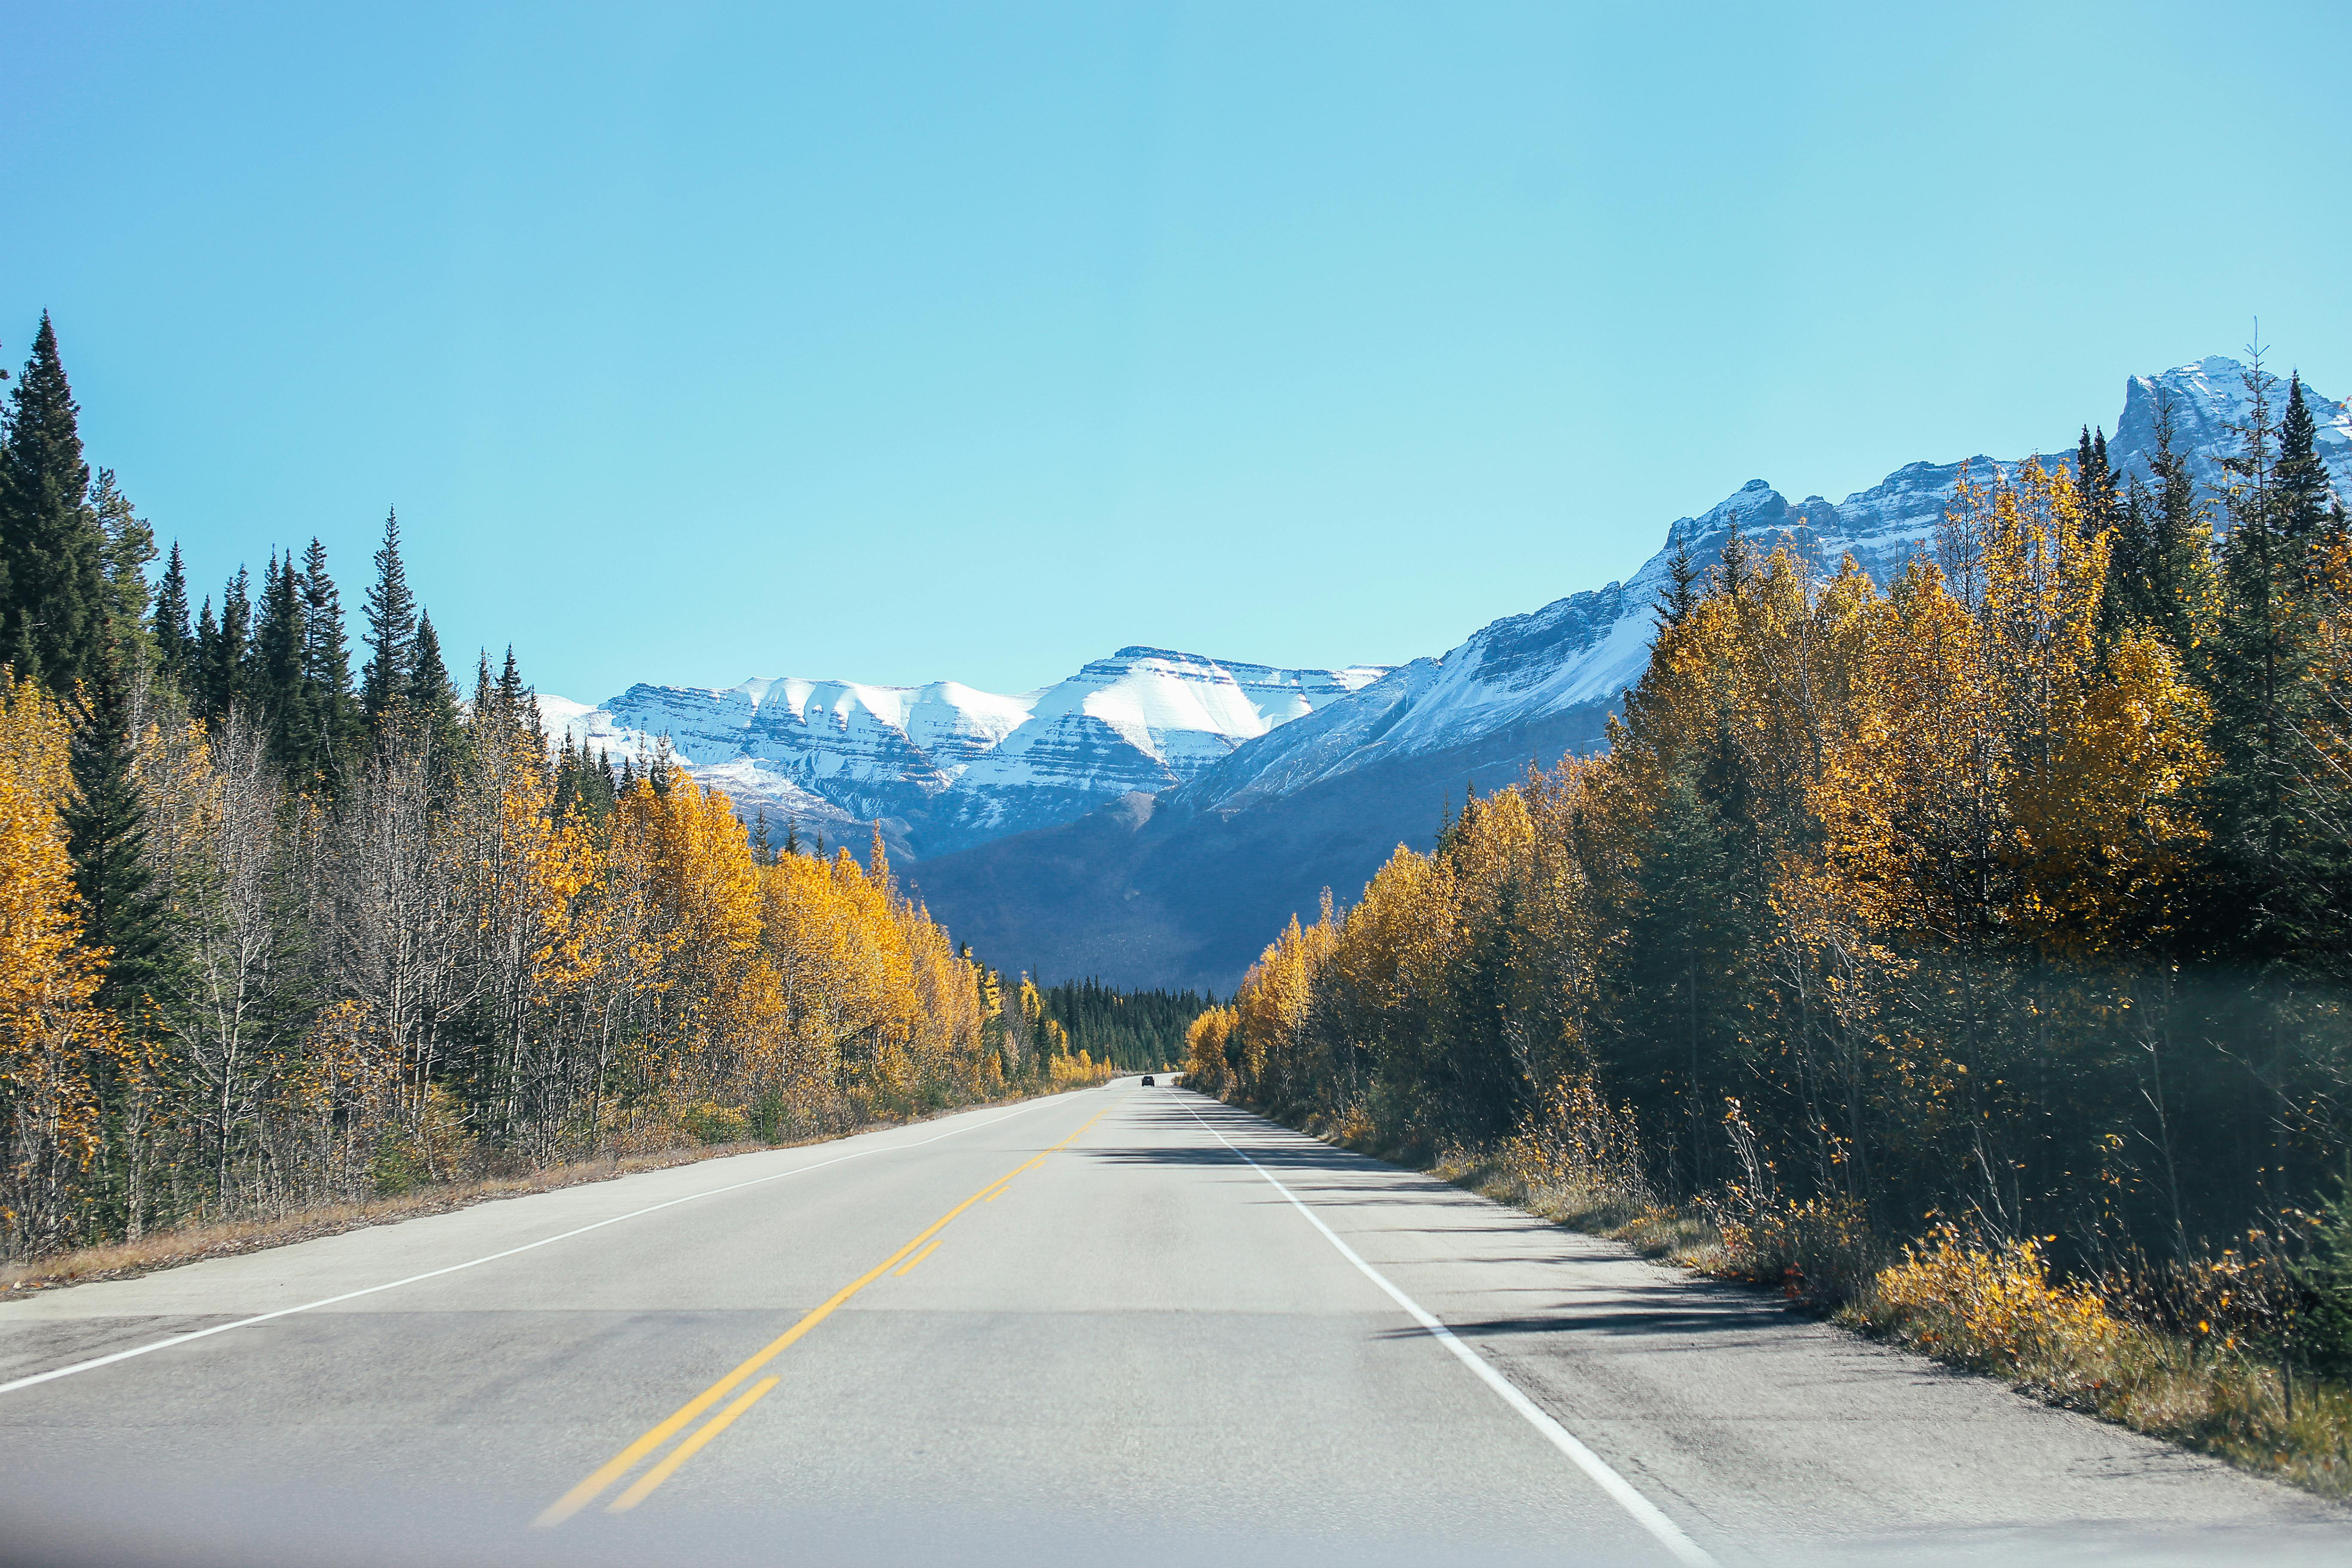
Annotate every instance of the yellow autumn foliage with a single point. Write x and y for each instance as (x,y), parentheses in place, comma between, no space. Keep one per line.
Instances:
(53,1041)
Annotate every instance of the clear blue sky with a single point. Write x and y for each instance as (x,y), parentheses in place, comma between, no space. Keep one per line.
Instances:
(901,341)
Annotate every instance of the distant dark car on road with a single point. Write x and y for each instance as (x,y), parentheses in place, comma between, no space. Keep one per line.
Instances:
(1147,1081)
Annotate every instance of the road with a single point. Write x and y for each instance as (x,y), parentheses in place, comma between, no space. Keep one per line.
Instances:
(1126,1325)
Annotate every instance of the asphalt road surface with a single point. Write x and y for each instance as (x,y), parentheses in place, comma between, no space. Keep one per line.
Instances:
(1124,1325)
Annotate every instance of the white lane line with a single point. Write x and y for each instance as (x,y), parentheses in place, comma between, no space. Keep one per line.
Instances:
(1646,1513)
(493,1257)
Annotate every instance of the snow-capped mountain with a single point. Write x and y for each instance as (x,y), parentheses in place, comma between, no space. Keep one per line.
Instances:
(946,765)
(1579,653)
(1182,888)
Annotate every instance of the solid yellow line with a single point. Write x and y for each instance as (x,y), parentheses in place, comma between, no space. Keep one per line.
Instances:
(687,1449)
(908,1268)
(620,1464)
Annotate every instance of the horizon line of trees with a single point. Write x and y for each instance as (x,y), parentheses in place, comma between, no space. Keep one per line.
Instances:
(2016,891)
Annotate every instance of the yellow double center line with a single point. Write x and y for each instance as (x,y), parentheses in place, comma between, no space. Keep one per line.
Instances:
(622,1463)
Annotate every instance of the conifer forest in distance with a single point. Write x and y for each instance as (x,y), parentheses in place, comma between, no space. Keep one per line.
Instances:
(278,934)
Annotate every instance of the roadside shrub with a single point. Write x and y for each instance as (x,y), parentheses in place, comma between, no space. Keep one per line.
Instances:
(2327,1273)
(396,1166)
(714,1124)
(1996,1310)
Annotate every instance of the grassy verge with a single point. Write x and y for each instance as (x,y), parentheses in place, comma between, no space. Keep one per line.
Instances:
(227,1238)
(1992,1309)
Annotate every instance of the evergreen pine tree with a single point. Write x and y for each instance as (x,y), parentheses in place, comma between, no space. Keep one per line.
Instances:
(2098,483)
(275,685)
(512,693)
(608,786)
(175,643)
(130,546)
(1677,1017)
(53,589)
(431,698)
(2179,555)
(486,706)
(1738,564)
(2105,510)
(763,852)
(2301,478)
(327,664)
(391,668)
(569,780)
(2126,597)
(202,651)
(2264,645)
(106,836)
(520,703)
(1683,591)
(226,654)
(792,836)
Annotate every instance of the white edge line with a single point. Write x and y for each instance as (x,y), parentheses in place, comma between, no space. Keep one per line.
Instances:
(1646,1513)
(493,1257)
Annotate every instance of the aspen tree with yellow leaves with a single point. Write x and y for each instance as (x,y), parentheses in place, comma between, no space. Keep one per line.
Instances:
(54,1042)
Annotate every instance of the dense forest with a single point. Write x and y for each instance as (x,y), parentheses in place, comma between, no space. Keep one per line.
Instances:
(1135,1031)
(2012,896)
(273,933)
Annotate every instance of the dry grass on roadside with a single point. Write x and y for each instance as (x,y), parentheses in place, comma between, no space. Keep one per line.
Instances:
(227,1238)
(1997,1310)
(1990,1309)
(1594,1208)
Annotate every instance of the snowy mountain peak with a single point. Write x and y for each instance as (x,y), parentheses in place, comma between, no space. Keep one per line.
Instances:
(1554,672)
(946,764)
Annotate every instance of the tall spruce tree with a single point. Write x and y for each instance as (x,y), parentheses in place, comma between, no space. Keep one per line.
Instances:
(130,546)
(273,683)
(2301,479)
(327,665)
(202,651)
(52,569)
(1736,564)
(2179,558)
(2106,510)
(2266,636)
(487,709)
(430,702)
(392,666)
(2159,574)
(518,700)
(1685,585)
(173,640)
(105,835)
(1675,1019)
(223,649)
